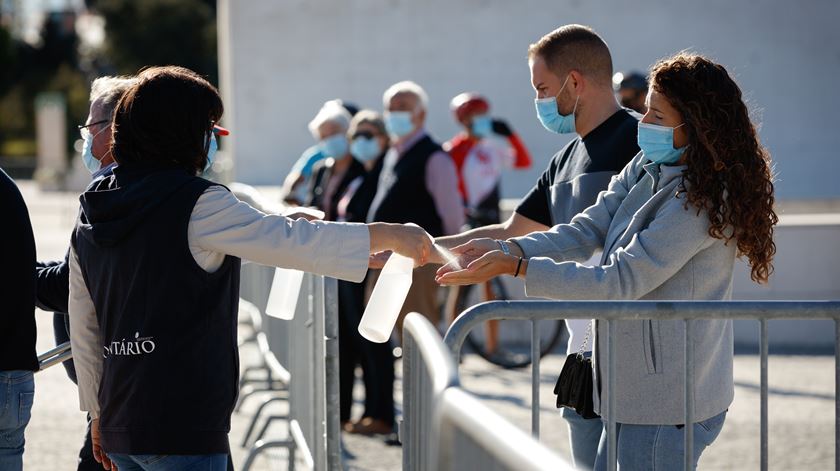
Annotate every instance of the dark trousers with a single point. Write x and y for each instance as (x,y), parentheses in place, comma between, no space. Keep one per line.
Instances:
(376,359)
(61,330)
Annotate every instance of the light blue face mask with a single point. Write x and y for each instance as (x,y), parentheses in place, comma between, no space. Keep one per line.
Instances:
(334,146)
(550,116)
(482,125)
(91,162)
(211,151)
(398,123)
(657,142)
(365,149)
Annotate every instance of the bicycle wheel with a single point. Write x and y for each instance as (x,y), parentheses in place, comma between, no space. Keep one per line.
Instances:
(513,346)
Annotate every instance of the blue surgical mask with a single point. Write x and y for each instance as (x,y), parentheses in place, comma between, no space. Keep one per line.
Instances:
(657,143)
(551,118)
(482,125)
(91,162)
(211,151)
(398,123)
(334,146)
(365,149)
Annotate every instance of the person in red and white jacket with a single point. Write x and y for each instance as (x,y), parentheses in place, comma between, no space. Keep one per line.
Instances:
(481,152)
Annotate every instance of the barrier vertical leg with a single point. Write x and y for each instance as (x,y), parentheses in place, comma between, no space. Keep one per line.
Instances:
(612,455)
(689,398)
(535,380)
(331,346)
(765,350)
(836,393)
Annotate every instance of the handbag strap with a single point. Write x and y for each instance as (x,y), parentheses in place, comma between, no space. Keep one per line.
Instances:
(585,342)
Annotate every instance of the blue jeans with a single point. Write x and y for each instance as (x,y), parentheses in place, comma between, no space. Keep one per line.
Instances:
(169,462)
(584,436)
(17,392)
(657,447)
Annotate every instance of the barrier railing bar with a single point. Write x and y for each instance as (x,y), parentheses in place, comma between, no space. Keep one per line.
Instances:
(332,388)
(428,370)
(54,356)
(836,394)
(612,432)
(535,380)
(509,446)
(688,423)
(661,310)
(299,438)
(765,350)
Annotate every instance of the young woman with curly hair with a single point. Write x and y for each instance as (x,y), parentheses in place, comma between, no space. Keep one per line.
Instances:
(671,224)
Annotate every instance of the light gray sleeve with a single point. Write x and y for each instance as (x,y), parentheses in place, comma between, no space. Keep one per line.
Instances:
(442,183)
(221,223)
(85,339)
(652,257)
(586,232)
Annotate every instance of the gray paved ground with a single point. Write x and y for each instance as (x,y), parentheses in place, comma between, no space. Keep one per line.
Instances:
(801,399)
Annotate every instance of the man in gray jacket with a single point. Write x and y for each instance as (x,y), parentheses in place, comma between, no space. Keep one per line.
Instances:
(571,72)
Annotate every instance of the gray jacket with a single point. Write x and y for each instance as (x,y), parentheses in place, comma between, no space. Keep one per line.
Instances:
(654,249)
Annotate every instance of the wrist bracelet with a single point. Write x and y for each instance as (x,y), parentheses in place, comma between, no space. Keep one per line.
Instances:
(504,246)
(518,267)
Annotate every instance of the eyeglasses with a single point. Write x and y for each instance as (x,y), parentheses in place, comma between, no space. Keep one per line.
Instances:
(365,134)
(85,126)
(84,130)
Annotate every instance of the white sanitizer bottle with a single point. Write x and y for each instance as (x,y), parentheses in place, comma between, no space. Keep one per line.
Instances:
(285,290)
(387,299)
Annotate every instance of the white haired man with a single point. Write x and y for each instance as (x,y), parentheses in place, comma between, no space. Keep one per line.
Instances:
(418,184)
(54,277)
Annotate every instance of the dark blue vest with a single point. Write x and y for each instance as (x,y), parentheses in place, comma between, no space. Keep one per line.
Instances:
(168,327)
(406,197)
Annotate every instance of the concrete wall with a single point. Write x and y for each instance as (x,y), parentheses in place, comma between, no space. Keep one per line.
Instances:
(807,267)
(281,59)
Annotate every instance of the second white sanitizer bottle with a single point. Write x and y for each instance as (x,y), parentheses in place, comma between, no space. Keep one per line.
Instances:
(387,299)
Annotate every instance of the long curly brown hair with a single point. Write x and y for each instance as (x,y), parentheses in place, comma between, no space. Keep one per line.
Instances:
(729,173)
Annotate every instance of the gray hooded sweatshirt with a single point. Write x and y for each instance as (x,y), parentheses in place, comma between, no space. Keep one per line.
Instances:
(654,248)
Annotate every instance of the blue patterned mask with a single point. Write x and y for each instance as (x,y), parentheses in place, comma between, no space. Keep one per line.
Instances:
(365,149)
(482,125)
(551,118)
(657,142)
(334,146)
(91,162)
(211,151)
(398,123)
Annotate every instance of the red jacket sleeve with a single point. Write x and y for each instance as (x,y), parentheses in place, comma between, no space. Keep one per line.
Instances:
(523,157)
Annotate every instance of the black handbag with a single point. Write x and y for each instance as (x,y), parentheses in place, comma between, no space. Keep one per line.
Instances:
(574,385)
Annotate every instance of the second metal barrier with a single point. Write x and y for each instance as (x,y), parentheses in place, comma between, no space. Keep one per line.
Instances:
(685,311)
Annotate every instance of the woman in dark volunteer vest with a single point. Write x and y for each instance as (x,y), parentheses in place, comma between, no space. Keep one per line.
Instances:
(154,279)
(671,224)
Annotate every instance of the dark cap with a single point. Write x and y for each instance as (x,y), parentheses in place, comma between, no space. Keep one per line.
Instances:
(631,80)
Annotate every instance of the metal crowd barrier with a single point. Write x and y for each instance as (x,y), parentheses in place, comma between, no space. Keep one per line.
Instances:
(307,348)
(54,356)
(445,428)
(686,311)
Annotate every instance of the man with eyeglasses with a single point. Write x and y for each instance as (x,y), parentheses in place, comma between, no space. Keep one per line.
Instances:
(53,278)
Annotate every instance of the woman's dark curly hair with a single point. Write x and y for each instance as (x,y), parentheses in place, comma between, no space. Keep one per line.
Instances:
(729,173)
